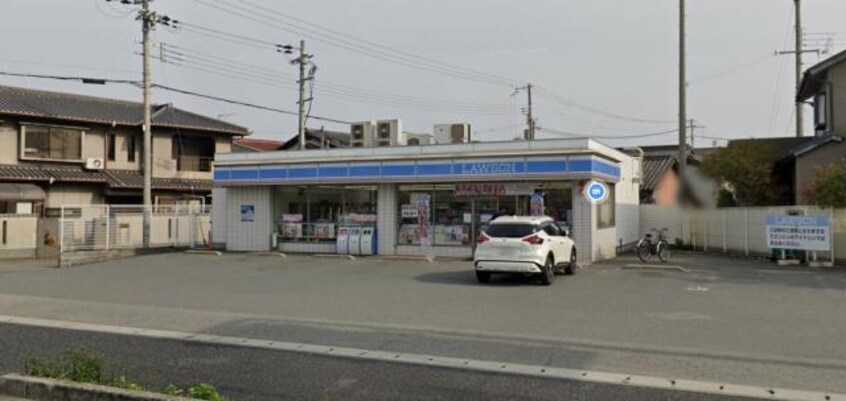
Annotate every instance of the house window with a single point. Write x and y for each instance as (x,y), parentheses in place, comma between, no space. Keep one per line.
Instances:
(111,149)
(130,148)
(820,108)
(192,153)
(51,143)
(606,210)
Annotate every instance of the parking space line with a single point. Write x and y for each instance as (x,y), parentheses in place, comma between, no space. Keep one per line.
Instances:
(538,371)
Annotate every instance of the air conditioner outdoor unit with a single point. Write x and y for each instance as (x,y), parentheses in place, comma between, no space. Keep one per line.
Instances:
(452,133)
(389,133)
(94,163)
(413,139)
(362,133)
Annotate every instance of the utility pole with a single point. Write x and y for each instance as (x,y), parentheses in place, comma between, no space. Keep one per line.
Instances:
(529,135)
(302,60)
(147,23)
(800,116)
(149,20)
(531,119)
(798,51)
(682,94)
(693,127)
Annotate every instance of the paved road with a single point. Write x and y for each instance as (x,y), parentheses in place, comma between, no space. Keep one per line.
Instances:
(743,323)
(253,374)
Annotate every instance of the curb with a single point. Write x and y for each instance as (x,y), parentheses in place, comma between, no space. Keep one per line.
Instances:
(409,258)
(41,389)
(202,252)
(276,254)
(655,267)
(333,256)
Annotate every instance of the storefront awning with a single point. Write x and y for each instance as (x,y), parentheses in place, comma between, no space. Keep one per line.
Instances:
(9,191)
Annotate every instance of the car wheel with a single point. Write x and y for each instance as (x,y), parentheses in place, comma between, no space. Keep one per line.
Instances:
(483,277)
(548,271)
(573,265)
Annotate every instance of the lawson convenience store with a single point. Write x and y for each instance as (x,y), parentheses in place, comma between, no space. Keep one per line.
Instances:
(421,200)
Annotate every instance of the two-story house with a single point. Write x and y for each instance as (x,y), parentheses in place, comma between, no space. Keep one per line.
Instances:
(64,149)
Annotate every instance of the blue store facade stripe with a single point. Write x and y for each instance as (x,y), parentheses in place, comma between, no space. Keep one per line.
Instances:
(273,174)
(302,172)
(404,170)
(334,171)
(434,169)
(244,174)
(368,171)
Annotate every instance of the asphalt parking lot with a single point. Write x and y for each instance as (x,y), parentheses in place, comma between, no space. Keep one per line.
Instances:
(741,321)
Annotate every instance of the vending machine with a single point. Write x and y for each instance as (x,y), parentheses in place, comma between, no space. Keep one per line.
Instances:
(342,240)
(368,240)
(354,246)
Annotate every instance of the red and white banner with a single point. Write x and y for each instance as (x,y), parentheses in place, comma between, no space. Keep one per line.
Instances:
(494,188)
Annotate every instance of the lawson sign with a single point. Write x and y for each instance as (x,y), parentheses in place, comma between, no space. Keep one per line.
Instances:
(810,233)
(563,167)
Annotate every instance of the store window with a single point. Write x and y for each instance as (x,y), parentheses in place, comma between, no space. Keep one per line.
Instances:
(315,213)
(606,210)
(433,214)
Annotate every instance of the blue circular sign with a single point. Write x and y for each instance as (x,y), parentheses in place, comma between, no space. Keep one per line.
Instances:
(596,191)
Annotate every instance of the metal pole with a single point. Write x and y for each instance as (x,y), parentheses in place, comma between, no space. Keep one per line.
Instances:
(302,82)
(108,224)
(146,24)
(62,229)
(800,117)
(746,226)
(682,95)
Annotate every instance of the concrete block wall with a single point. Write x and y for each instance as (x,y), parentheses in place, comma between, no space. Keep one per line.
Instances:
(19,239)
(251,236)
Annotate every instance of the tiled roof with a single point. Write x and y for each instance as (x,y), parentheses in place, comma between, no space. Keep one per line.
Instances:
(128,179)
(79,108)
(654,168)
(259,145)
(116,179)
(41,173)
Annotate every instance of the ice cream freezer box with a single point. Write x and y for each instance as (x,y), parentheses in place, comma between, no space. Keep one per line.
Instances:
(356,240)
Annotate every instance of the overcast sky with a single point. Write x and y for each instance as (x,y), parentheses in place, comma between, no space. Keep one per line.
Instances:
(616,60)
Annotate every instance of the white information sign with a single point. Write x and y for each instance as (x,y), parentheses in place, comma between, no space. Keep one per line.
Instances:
(810,233)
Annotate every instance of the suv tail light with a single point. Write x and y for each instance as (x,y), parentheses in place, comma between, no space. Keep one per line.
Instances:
(533,239)
(482,238)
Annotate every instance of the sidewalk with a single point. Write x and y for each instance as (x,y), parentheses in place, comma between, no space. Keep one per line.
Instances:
(23,264)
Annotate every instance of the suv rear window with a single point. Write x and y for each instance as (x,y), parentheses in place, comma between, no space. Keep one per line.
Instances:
(512,230)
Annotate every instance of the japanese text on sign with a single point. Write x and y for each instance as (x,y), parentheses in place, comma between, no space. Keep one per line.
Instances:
(810,233)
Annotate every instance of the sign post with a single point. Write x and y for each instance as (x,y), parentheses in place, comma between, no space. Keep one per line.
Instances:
(808,233)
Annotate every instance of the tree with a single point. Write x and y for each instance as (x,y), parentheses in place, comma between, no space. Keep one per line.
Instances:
(829,186)
(747,168)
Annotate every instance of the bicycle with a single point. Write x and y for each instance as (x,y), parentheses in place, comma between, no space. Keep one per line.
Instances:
(648,247)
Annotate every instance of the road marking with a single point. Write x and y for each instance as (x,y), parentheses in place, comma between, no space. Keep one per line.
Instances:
(656,267)
(697,288)
(444,362)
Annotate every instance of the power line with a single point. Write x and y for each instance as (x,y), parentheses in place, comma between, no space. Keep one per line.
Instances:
(592,136)
(245,104)
(101,81)
(354,45)
(181,54)
(380,46)
(550,95)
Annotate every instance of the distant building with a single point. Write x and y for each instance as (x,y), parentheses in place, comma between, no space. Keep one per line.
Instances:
(319,139)
(797,160)
(255,145)
(825,85)
(67,149)
(660,184)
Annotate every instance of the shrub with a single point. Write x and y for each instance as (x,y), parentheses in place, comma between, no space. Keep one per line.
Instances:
(205,391)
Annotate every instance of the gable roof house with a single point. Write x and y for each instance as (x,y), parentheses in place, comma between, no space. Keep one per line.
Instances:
(660,183)
(825,84)
(61,149)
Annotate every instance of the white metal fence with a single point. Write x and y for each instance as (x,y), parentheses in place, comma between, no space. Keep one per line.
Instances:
(736,230)
(107,227)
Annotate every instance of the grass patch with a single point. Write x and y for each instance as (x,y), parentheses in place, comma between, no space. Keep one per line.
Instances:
(84,366)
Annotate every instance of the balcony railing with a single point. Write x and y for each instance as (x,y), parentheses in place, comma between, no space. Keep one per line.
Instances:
(194,163)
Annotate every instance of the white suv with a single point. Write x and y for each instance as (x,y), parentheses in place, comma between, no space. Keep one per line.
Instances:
(528,245)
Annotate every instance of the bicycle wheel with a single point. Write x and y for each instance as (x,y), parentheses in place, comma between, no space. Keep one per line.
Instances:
(664,251)
(644,251)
